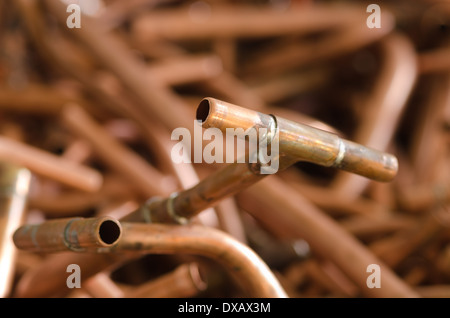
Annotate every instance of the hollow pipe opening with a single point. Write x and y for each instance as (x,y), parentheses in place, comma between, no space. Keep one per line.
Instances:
(203,110)
(109,232)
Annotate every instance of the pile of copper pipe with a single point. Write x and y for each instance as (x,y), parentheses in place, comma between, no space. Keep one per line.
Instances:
(87,115)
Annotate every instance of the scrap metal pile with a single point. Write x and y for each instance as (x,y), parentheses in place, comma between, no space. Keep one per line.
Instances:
(97,179)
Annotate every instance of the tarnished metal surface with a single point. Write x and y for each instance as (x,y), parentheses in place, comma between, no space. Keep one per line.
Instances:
(74,234)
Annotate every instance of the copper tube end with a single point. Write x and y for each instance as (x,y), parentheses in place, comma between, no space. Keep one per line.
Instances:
(75,234)
(367,162)
(215,113)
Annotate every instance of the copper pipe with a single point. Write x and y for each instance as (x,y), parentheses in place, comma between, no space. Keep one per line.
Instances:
(230,219)
(393,250)
(234,90)
(75,234)
(296,214)
(12,131)
(226,49)
(74,203)
(237,92)
(302,142)
(423,197)
(179,207)
(186,69)
(185,281)
(365,227)
(443,260)
(429,135)
(102,286)
(33,99)
(297,142)
(275,251)
(384,107)
(329,200)
(50,50)
(342,282)
(321,276)
(78,151)
(417,275)
(250,204)
(79,293)
(434,61)
(48,278)
(119,12)
(113,60)
(434,291)
(147,179)
(273,90)
(156,98)
(51,166)
(14,186)
(152,131)
(250,271)
(187,177)
(118,209)
(26,261)
(243,23)
(349,37)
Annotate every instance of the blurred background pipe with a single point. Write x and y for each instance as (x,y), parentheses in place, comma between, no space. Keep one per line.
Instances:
(14,187)
(187,280)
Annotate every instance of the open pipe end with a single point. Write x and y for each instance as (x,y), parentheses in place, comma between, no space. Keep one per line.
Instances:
(109,232)
(203,110)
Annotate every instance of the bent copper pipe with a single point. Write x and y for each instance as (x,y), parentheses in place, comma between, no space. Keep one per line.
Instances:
(74,234)
(296,141)
(14,186)
(251,272)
